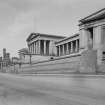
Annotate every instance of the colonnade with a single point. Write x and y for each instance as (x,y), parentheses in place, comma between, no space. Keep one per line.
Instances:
(68,48)
(39,47)
(33,47)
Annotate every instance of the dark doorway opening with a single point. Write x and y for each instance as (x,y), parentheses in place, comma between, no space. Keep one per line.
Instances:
(90,30)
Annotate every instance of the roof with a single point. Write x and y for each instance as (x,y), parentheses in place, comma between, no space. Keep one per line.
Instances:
(75,35)
(34,35)
(24,50)
(94,16)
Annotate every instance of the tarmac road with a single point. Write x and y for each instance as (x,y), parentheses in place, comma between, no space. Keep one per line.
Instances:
(51,90)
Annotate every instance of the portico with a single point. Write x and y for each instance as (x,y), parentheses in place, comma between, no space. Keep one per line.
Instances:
(92,34)
(68,45)
(42,44)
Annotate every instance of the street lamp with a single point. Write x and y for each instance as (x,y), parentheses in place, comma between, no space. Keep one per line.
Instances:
(30,55)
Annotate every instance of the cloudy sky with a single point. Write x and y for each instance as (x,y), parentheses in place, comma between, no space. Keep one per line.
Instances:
(18,18)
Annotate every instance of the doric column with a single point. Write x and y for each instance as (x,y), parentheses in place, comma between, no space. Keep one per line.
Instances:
(67,46)
(77,46)
(63,49)
(59,50)
(31,48)
(98,43)
(34,48)
(71,47)
(84,39)
(44,47)
(39,47)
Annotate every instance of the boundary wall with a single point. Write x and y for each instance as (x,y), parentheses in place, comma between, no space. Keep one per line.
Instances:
(66,64)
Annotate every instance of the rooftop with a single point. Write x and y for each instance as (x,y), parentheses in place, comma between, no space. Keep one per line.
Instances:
(75,35)
(94,16)
(34,35)
(24,50)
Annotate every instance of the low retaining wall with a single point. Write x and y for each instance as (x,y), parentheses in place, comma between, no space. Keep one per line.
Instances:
(65,64)
(86,62)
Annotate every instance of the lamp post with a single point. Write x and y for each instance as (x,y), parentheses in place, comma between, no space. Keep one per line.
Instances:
(30,55)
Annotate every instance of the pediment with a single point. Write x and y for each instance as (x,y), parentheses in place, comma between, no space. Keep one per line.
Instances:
(31,36)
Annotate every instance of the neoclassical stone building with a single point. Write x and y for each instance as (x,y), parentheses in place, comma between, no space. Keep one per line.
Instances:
(68,46)
(24,55)
(82,53)
(91,37)
(92,34)
(42,44)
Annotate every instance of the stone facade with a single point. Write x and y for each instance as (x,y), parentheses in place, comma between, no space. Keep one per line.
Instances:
(68,45)
(42,44)
(88,62)
(23,54)
(5,61)
(92,34)
(88,47)
(60,65)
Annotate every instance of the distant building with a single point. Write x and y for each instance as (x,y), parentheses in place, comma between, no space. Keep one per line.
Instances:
(83,52)
(15,60)
(6,57)
(43,44)
(1,58)
(4,53)
(23,55)
(5,61)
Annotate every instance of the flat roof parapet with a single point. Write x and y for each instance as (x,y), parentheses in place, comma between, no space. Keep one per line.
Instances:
(93,17)
(75,35)
(33,35)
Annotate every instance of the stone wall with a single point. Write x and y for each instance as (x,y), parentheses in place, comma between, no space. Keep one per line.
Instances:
(67,64)
(35,58)
(88,61)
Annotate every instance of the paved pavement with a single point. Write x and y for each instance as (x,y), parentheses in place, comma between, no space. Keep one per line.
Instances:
(51,90)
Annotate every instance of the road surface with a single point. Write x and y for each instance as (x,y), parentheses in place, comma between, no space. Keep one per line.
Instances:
(51,90)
